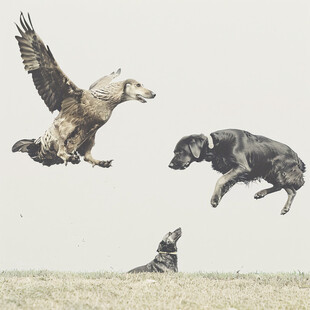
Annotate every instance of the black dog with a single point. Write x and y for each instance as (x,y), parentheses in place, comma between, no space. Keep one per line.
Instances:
(243,157)
(166,260)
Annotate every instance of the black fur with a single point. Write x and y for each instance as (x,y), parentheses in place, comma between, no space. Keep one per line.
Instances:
(243,157)
(166,260)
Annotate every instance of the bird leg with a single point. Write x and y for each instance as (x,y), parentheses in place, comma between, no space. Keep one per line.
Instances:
(85,150)
(66,157)
(95,162)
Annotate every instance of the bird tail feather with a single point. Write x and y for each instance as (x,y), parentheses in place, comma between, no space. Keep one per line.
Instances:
(23,146)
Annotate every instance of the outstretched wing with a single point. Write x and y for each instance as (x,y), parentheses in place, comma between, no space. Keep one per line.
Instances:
(52,84)
(101,83)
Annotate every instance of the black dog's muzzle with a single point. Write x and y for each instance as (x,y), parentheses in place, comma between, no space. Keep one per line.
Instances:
(174,166)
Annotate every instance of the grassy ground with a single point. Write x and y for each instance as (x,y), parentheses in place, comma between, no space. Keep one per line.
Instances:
(53,290)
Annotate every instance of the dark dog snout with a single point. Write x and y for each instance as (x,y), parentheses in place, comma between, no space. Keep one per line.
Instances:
(177,165)
(153,95)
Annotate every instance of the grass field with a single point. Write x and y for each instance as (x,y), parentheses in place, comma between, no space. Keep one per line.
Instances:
(56,290)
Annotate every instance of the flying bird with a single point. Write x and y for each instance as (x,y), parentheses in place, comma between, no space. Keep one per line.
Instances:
(81,112)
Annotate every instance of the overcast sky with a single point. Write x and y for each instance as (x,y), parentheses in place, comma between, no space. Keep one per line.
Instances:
(213,65)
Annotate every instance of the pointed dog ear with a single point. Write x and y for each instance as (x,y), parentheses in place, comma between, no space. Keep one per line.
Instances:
(165,237)
(195,148)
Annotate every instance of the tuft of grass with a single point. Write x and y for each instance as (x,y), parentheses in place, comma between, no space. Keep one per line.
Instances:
(105,290)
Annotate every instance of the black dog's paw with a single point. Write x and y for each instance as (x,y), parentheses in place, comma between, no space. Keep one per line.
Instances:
(105,163)
(284,211)
(215,201)
(74,159)
(260,194)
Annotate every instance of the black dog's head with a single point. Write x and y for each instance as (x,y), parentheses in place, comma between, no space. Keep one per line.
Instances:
(169,242)
(190,149)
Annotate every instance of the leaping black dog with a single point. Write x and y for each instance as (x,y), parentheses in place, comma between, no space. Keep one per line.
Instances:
(166,260)
(243,157)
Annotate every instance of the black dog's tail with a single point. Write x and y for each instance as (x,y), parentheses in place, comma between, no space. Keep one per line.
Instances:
(295,175)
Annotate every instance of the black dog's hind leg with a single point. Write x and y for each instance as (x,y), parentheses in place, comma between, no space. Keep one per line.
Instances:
(291,195)
(225,182)
(264,192)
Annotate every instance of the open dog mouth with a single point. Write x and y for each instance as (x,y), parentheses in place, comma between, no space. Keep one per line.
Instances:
(140,98)
(148,95)
(186,165)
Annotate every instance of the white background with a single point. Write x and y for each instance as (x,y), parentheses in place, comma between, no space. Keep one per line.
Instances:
(214,65)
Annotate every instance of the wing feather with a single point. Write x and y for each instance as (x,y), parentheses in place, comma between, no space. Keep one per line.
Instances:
(102,82)
(52,84)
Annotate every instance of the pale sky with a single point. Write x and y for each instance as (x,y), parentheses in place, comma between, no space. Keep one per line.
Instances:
(213,65)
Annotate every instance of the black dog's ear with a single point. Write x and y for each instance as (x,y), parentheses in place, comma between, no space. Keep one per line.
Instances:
(161,246)
(195,147)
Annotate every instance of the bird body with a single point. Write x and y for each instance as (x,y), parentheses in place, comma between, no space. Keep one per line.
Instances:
(81,112)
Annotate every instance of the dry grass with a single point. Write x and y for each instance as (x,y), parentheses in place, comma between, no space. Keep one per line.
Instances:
(54,290)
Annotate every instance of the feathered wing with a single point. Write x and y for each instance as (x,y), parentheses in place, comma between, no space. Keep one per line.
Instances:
(102,82)
(52,84)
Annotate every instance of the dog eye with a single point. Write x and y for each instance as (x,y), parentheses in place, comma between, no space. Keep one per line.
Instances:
(138,85)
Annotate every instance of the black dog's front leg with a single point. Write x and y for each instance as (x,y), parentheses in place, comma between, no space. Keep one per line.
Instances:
(267,191)
(225,182)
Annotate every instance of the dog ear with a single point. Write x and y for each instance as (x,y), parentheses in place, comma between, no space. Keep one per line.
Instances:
(195,148)
(165,237)
(127,83)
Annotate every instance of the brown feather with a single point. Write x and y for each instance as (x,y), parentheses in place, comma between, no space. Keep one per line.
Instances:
(52,84)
